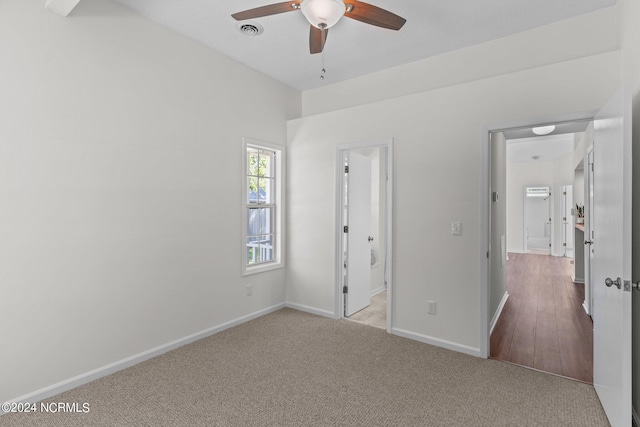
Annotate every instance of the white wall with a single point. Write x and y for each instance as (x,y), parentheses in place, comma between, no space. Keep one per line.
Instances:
(120,188)
(579,183)
(438,159)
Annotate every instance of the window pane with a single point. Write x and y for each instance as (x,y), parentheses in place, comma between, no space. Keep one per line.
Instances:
(266,248)
(266,164)
(253,221)
(265,190)
(266,221)
(253,250)
(252,190)
(252,162)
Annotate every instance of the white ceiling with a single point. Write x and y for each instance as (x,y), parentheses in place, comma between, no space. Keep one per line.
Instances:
(354,48)
(547,148)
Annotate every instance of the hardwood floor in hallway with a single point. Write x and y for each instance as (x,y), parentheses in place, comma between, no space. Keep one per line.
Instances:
(543,324)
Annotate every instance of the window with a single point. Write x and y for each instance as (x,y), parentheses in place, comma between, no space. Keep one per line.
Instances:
(262,206)
(538,192)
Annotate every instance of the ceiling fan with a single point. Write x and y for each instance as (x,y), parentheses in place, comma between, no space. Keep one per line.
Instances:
(323,14)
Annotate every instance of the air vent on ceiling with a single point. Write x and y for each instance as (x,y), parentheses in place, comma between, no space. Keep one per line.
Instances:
(251,29)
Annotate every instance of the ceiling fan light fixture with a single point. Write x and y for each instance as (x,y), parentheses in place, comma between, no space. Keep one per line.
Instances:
(323,13)
(543,130)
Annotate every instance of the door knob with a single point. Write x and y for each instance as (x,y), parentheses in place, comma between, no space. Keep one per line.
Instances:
(588,242)
(370,239)
(617,283)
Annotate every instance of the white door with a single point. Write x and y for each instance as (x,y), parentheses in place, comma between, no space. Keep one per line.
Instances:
(567,221)
(358,280)
(612,258)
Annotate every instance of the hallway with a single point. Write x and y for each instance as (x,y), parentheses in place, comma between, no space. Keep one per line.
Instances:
(543,324)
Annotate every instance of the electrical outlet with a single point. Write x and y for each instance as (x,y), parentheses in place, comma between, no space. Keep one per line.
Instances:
(456,228)
(431,307)
(249,289)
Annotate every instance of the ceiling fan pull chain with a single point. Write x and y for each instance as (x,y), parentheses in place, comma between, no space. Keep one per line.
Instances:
(322,73)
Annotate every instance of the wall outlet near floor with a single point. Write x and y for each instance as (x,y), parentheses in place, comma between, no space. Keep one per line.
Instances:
(249,289)
(431,307)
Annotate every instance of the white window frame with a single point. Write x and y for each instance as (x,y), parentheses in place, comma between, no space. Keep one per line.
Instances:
(279,206)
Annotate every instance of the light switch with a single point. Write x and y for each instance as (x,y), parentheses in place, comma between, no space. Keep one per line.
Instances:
(456,228)
(431,307)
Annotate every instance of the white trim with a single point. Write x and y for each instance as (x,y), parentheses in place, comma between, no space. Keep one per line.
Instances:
(310,310)
(574,280)
(485,239)
(261,268)
(61,7)
(127,362)
(437,342)
(340,149)
(586,309)
(485,215)
(498,312)
(377,291)
(563,248)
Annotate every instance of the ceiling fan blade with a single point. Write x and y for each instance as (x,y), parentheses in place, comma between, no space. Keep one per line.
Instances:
(272,9)
(373,15)
(317,39)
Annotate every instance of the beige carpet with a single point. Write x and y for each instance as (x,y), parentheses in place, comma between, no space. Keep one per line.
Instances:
(295,369)
(374,315)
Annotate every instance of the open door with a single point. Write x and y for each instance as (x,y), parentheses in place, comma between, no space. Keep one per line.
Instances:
(358,261)
(611,268)
(567,221)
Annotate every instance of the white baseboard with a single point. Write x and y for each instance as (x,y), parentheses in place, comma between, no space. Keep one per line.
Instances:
(437,342)
(586,309)
(311,310)
(574,280)
(498,312)
(111,368)
(377,291)
(634,417)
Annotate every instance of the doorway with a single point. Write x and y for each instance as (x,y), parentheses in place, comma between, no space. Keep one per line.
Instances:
(537,220)
(610,272)
(363,237)
(538,315)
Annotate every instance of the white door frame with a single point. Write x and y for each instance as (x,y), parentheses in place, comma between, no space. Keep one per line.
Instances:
(562,202)
(588,225)
(339,181)
(485,206)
